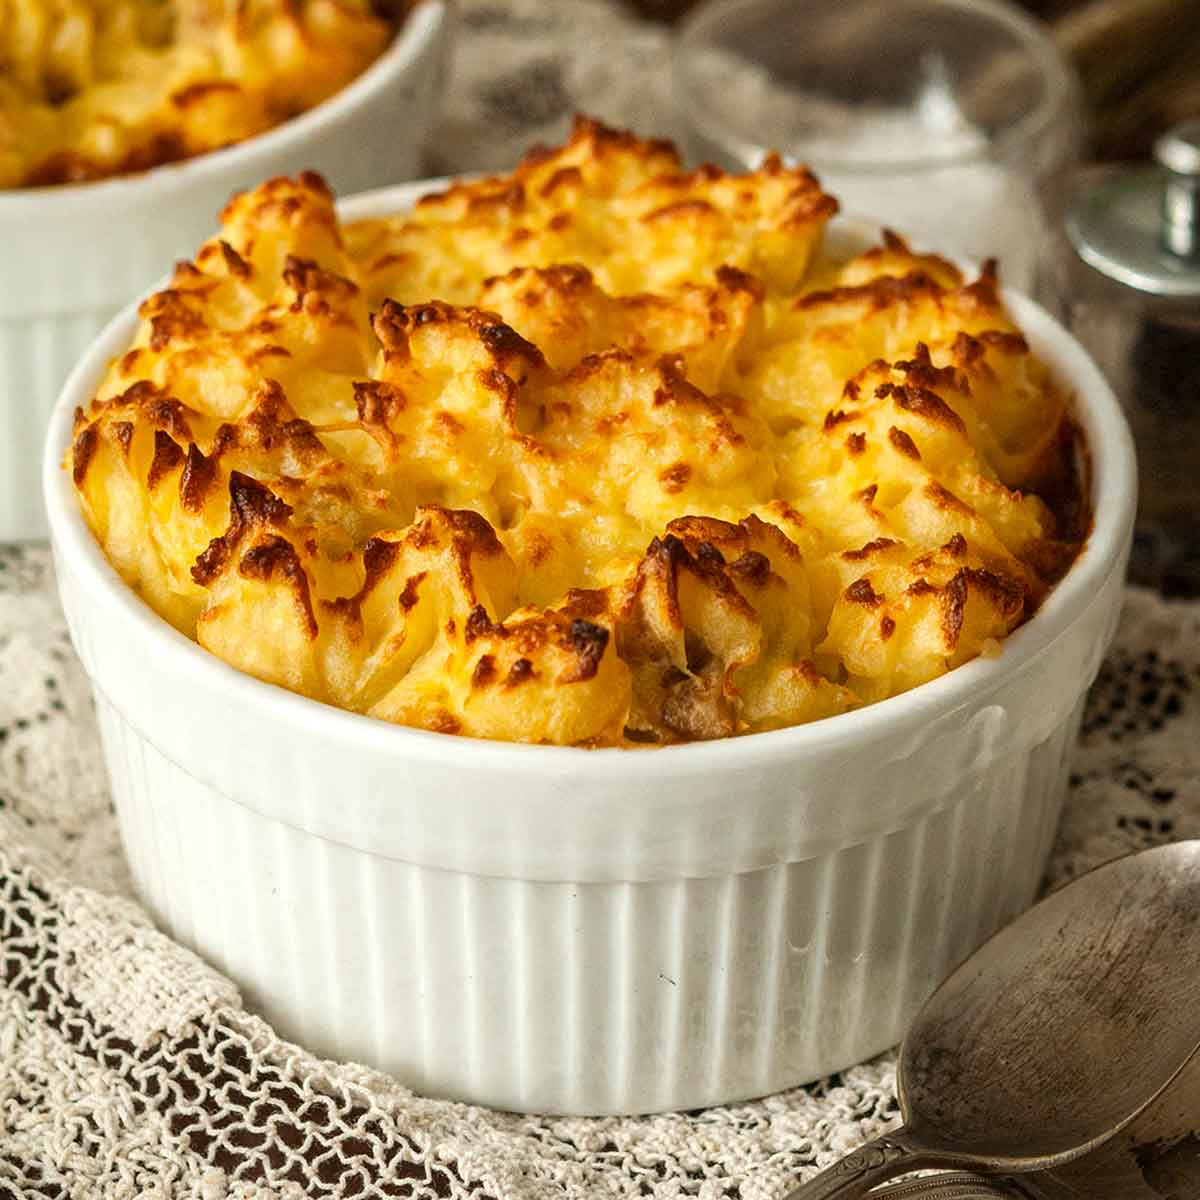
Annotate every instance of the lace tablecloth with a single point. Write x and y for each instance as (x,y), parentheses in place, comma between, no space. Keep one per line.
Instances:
(128,1068)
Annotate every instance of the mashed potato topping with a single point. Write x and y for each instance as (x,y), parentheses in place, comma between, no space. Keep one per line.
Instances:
(91,88)
(599,453)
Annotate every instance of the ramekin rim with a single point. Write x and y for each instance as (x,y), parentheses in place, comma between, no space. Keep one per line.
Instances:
(421,26)
(1114,475)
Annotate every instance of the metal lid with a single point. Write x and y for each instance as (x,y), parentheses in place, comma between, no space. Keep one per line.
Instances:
(1142,227)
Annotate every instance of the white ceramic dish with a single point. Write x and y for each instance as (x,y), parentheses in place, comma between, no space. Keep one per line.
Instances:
(72,256)
(545,928)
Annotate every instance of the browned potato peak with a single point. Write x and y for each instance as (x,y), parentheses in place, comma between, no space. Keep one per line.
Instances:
(603,452)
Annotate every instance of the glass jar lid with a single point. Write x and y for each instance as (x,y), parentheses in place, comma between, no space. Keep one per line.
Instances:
(1142,227)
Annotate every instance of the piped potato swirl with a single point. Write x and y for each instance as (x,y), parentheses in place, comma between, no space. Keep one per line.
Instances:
(600,453)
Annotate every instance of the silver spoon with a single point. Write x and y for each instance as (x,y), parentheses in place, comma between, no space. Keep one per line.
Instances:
(1051,1039)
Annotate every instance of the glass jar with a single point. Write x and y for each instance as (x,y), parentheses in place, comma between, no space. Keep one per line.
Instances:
(949,120)
(1132,295)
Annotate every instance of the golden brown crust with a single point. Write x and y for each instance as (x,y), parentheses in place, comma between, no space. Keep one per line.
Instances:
(600,453)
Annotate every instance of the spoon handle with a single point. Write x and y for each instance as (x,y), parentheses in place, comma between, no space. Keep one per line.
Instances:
(869,1165)
(956,1186)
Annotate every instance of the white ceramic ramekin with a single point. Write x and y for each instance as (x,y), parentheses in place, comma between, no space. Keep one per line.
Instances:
(72,256)
(545,928)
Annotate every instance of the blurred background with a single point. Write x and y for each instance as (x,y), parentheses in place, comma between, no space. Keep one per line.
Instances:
(1138,61)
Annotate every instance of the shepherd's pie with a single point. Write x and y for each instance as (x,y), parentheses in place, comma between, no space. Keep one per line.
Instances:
(93,88)
(600,453)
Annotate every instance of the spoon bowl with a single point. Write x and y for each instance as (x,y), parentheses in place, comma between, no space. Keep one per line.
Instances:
(1054,1036)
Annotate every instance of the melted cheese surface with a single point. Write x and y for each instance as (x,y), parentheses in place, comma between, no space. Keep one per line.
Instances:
(599,453)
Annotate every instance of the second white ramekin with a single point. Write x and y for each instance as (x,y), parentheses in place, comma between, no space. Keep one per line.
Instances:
(72,256)
(544,928)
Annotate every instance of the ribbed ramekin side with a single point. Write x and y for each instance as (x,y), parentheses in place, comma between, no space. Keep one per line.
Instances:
(36,353)
(599,997)
(836,954)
